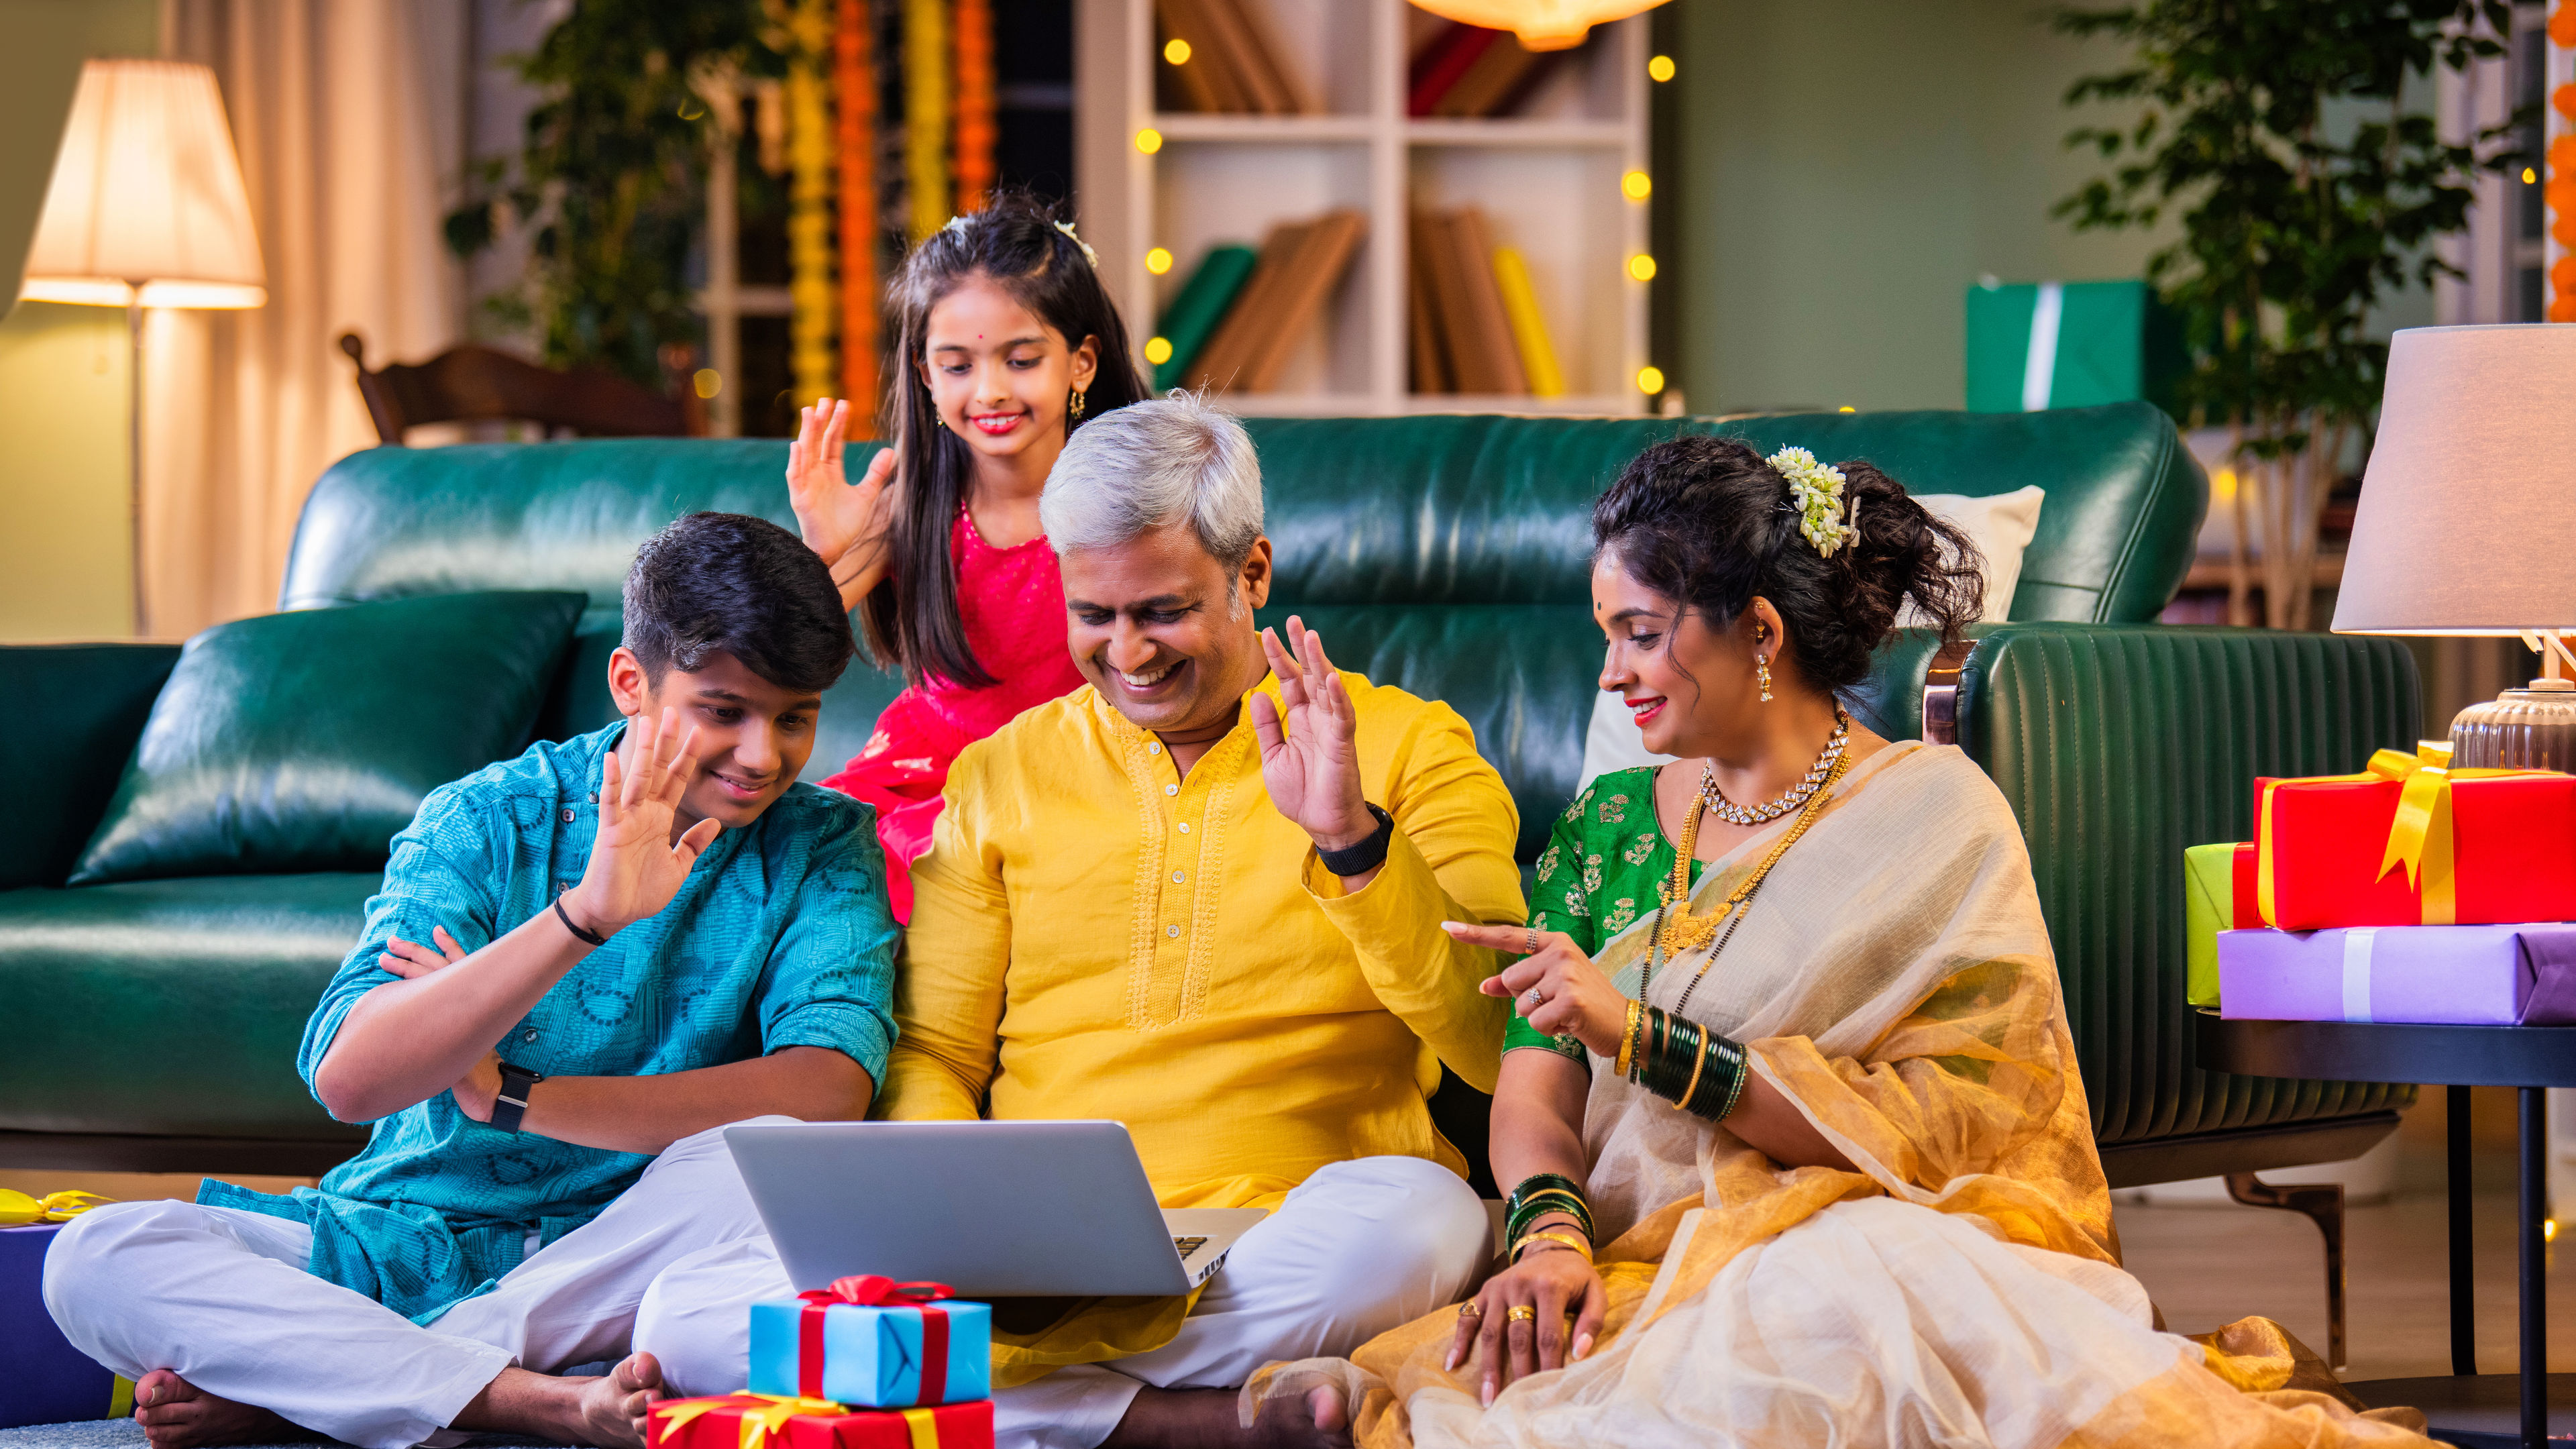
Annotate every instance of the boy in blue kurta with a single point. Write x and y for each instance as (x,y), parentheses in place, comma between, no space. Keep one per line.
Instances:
(583,964)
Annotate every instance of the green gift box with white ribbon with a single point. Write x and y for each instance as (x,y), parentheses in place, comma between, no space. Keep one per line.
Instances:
(2037,345)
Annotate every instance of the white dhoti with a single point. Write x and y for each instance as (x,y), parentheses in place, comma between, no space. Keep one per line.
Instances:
(220,1297)
(1355,1250)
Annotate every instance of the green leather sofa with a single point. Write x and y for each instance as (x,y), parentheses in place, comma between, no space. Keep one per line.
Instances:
(157,1020)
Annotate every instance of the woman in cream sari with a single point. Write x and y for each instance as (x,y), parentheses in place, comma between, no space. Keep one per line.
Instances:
(1801,1151)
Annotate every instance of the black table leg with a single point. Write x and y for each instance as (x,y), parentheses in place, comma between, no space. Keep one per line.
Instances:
(2535,1315)
(2464,1266)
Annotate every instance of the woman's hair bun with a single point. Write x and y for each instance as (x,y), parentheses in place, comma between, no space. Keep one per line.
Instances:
(1706,522)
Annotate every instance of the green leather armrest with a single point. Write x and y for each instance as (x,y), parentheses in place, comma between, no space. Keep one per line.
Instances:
(75,711)
(2118,746)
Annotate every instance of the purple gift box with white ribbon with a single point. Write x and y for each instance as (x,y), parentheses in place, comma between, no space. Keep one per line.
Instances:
(2430,975)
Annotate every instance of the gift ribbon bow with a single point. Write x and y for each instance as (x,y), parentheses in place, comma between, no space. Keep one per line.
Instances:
(2419,837)
(871,1290)
(763,1415)
(17,1208)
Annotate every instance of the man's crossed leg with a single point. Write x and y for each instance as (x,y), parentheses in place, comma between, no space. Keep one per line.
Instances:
(212,1312)
(1358,1248)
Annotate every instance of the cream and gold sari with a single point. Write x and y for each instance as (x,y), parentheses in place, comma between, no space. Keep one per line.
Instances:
(1893,979)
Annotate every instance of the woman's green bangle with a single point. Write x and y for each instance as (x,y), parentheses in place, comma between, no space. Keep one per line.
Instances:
(1689,1065)
(1540,1204)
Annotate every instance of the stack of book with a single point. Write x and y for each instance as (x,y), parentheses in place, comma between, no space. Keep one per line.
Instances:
(1467,70)
(1473,316)
(1229,60)
(1234,323)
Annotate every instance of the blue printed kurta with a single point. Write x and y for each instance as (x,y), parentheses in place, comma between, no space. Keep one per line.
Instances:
(780,937)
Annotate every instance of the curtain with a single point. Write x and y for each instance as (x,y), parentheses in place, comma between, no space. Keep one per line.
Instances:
(345,114)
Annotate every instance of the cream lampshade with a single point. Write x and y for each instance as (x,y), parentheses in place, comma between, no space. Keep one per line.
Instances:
(2467,522)
(146,209)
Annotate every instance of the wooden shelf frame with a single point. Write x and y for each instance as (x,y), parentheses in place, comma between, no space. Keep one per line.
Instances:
(1549,182)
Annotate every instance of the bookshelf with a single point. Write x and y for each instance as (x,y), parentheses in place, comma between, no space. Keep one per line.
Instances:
(1549,180)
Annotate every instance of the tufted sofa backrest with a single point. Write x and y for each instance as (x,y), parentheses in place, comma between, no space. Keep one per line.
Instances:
(1445,554)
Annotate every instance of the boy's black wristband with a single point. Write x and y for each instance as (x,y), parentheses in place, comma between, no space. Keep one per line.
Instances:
(576,927)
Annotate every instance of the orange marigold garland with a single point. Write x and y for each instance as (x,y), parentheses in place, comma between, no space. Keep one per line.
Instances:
(814,304)
(854,92)
(925,118)
(2560,192)
(976,129)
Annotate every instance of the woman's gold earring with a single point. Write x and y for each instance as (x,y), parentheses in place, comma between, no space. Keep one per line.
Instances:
(1762,676)
(1077,407)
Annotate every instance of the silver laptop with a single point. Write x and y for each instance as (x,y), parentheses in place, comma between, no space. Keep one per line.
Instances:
(992,1209)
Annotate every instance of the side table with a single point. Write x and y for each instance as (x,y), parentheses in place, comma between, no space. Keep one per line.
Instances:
(2469,1409)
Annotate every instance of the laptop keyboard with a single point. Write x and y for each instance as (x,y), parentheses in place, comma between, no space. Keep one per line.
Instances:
(1188,1246)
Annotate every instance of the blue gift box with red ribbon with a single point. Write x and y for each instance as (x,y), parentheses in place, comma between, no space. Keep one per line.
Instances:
(873,1342)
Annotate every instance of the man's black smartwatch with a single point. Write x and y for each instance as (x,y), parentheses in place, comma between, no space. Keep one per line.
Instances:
(1366,856)
(511,1103)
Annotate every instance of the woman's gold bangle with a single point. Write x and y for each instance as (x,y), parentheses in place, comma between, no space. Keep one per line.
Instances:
(1565,1240)
(1628,1039)
(1697,1066)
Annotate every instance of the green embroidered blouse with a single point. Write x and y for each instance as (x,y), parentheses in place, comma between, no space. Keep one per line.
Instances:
(1605,856)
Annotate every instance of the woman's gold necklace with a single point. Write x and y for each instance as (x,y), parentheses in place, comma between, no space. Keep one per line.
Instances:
(1676,929)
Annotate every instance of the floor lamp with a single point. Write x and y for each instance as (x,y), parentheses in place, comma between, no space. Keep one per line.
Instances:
(146,209)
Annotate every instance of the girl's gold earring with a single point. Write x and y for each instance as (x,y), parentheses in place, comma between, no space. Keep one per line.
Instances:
(1762,676)
(1077,407)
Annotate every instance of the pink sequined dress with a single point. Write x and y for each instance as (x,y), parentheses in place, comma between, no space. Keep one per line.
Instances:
(1012,601)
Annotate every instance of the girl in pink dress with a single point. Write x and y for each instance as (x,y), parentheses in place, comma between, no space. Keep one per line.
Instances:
(1004,342)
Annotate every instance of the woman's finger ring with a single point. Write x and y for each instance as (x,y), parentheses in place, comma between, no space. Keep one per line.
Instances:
(1471,1309)
(1531,949)
(1520,1313)
(1537,999)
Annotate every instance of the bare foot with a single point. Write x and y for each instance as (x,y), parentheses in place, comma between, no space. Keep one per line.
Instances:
(607,1411)
(176,1414)
(1186,1418)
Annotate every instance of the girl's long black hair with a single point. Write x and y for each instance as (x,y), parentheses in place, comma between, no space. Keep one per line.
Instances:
(911,618)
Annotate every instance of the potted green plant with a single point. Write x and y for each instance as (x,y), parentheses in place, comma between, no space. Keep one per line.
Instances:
(2290,140)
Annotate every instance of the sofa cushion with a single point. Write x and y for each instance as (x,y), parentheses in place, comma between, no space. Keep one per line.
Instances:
(172,1006)
(92,700)
(304,741)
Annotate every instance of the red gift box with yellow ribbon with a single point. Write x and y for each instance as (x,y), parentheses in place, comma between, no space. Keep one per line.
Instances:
(770,1421)
(2412,842)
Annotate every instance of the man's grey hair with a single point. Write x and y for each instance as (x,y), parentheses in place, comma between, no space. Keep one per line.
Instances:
(1152,464)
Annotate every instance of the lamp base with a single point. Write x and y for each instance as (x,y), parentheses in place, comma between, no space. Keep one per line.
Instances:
(2533,728)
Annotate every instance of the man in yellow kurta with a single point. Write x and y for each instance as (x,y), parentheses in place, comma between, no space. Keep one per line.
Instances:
(1203,897)
(1166,900)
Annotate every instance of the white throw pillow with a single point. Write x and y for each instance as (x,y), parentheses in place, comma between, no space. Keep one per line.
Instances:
(2002,524)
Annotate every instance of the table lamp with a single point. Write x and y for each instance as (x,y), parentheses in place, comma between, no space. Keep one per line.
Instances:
(146,209)
(2467,522)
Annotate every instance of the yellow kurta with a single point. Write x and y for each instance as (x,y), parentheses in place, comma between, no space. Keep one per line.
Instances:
(1094,936)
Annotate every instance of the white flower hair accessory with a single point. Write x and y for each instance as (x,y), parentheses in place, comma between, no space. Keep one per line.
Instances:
(1816,489)
(1088,254)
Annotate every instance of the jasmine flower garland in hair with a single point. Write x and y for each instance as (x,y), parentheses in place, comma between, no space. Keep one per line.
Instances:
(1817,491)
(1088,254)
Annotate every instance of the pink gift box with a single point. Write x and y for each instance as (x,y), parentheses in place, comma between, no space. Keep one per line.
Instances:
(2433,975)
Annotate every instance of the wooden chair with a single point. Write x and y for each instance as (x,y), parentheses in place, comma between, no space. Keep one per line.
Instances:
(473,383)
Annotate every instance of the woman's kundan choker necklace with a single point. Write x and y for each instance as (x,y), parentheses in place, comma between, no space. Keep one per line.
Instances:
(1734,814)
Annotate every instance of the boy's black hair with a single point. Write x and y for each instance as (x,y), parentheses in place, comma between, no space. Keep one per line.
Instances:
(744,585)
